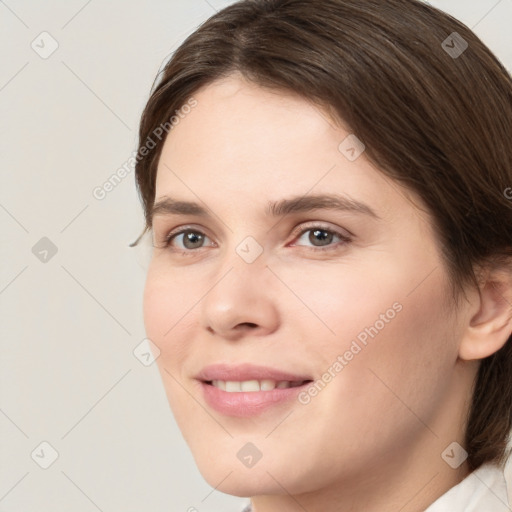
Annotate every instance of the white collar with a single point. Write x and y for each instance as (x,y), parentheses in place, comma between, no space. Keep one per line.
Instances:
(485,489)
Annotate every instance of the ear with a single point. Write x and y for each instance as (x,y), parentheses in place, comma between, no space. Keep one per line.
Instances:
(490,324)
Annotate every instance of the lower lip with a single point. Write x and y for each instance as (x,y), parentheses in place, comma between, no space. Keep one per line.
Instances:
(244,404)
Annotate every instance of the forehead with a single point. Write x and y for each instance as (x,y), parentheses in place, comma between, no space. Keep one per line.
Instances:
(240,121)
(254,143)
(242,130)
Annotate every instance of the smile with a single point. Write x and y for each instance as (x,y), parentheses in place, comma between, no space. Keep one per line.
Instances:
(232,386)
(251,397)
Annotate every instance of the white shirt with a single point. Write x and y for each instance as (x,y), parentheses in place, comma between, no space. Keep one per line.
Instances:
(483,490)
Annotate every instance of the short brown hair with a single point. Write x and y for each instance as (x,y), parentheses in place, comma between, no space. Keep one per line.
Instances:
(438,122)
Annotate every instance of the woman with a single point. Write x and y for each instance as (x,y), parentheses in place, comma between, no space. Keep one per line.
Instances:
(327,184)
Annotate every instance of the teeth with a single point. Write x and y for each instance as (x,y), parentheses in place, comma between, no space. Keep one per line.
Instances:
(267,385)
(232,386)
(250,385)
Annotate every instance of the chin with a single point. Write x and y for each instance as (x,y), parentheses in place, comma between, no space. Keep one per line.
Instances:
(230,476)
(241,484)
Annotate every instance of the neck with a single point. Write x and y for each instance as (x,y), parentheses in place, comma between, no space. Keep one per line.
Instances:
(384,488)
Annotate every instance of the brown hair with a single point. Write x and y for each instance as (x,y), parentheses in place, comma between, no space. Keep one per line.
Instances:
(438,122)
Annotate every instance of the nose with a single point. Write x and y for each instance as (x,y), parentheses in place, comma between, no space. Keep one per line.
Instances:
(241,300)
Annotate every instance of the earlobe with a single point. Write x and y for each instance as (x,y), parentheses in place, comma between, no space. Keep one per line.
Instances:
(490,326)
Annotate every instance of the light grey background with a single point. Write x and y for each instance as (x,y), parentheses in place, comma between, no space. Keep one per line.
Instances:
(68,374)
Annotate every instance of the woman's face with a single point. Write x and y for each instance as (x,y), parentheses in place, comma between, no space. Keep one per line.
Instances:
(355,302)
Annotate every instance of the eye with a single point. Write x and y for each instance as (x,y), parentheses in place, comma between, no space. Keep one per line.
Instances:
(191,239)
(323,237)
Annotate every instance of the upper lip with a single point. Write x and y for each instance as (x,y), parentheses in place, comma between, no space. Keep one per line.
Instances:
(246,371)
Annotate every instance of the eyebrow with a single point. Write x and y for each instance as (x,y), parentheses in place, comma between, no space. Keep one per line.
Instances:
(169,206)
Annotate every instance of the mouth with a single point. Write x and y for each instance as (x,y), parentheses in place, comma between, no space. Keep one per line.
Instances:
(254,397)
(247,389)
(254,385)
(249,373)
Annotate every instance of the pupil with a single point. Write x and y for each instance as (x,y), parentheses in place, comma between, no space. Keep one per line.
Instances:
(316,233)
(191,237)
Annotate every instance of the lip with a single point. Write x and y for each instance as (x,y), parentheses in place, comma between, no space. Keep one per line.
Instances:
(243,404)
(246,371)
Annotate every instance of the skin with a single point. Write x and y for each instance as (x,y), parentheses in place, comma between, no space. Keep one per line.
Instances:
(372,438)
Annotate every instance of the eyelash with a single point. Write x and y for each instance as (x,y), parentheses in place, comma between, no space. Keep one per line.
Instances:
(190,252)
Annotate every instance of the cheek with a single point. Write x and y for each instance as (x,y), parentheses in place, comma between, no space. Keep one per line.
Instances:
(168,310)
(397,342)
(398,374)
(168,301)
(167,318)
